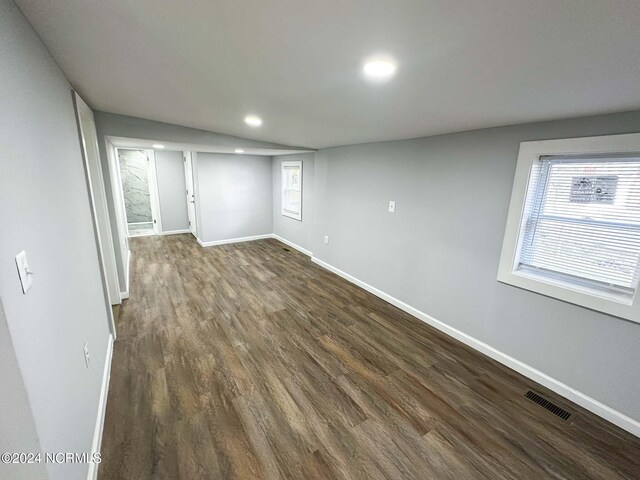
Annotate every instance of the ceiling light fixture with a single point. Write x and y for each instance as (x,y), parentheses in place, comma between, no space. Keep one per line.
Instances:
(253,120)
(379,69)
(239,150)
(158,145)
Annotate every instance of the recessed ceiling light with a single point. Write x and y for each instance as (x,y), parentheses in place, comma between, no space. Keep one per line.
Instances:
(239,150)
(253,120)
(158,145)
(379,69)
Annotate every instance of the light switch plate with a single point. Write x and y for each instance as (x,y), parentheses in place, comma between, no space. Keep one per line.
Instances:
(26,276)
(392,206)
(326,239)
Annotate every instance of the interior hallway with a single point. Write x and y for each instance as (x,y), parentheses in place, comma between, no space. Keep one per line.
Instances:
(249,361)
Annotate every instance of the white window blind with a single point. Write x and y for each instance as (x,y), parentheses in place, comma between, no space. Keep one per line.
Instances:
(581,222)
(292,189)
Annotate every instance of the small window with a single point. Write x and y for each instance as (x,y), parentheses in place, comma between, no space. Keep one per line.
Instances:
(574,224)
(292,189)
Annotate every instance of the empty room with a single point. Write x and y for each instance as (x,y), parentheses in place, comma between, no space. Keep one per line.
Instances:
(319,239)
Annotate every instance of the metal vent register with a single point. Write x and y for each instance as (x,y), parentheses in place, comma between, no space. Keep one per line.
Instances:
(552,407)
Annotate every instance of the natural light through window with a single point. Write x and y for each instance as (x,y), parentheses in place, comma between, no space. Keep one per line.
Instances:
(582,221)
(292,189)
(574,223)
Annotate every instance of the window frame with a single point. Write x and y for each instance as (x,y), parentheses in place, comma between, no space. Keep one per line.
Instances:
(283,191)
(561,289)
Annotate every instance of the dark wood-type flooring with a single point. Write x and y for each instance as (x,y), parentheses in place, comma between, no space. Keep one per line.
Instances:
(248,361)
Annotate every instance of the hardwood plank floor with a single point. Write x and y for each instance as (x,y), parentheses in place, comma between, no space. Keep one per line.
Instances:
(249,361)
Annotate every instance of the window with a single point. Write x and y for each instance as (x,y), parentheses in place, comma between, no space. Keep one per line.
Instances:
(292,189)
(573,230)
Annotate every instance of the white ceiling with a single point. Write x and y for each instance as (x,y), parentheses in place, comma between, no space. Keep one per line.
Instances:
(125,142)
(462,64)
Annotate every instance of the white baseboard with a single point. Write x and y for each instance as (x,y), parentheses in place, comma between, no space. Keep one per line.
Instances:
(102,408)
(124,295)
(175,232)
(233,240)
(292,245)
(255,237)
(594,406)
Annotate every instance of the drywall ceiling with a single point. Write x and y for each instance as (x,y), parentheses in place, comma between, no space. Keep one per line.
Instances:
(462,64)
(123,142)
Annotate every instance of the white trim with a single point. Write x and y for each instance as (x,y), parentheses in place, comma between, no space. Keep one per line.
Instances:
(154,194)
(529,153)
(196,194)
(292,245)
(99,204)
(102,408)
(234,240)
(124,295)
(122,231)
(190,191)
(283,165)
(594,406)
(175,232)
(250,239)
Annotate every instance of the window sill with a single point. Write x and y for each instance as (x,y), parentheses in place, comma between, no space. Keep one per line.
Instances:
(294,216)
(609,303)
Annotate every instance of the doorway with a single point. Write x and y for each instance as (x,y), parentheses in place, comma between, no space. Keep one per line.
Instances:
(140,191)
(191,196)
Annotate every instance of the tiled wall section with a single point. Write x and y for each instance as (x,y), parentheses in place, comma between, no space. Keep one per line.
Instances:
(135,182)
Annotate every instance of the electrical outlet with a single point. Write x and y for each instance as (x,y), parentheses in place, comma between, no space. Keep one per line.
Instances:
(87,357)
(326,239)
(392,206)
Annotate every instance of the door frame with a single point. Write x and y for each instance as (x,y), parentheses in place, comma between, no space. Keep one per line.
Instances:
(191,195)
(98,202)
(120,213)
(152,178)
(154,196)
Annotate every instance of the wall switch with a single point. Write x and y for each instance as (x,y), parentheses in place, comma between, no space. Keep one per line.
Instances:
(326,239)
(87,357)
(26,275)
(392,206)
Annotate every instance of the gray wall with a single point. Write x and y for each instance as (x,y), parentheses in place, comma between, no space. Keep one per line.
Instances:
(296,231)
(440,251)
(134,170)
(233,196)
(46,211)
(172,190)
(111,124)
(17,429)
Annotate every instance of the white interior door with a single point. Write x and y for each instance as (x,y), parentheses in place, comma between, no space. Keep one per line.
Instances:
(191,199)
(98,199)
(153,192)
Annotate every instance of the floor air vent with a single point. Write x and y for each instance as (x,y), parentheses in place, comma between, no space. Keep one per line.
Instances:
(552,407)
